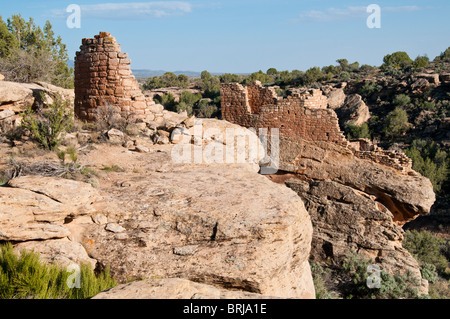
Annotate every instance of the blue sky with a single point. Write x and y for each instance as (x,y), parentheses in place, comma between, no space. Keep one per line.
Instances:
(243,36)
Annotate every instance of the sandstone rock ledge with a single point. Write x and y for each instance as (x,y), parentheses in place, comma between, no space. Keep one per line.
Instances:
(173,288)
(356,204)
(219,230)
(221,225)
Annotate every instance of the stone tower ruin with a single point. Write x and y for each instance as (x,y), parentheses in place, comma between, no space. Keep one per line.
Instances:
(103,79)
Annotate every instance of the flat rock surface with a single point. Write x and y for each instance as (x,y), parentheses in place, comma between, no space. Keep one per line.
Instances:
(222,225)
(173,288)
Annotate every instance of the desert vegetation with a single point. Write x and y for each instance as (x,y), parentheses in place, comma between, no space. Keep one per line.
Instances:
(24,276)
(31,53)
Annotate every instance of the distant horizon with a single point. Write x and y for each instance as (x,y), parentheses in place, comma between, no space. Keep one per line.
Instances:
(246,36)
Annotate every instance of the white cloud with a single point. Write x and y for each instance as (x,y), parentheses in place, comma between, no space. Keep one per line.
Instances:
(336,14)
(133,10)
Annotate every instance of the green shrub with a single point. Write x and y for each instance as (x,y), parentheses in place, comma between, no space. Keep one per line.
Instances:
(229,78)
(398,60)
(318,274)
(168,79)
(25,277)
(401,100)
(167,100)
(429,273)
(257,76)
(369,88)
(421,62)
(312,75)
(396,123)
(48,126)
(430,161)
(426,248)
(444,55)
(355,131)
(391,286)
(207,110)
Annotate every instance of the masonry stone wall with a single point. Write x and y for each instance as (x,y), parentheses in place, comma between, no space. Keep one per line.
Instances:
(365,149)
(103,78)
(301,115)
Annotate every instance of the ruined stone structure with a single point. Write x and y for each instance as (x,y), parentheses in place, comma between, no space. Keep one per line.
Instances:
(365,149)
(300,115)
(103,79)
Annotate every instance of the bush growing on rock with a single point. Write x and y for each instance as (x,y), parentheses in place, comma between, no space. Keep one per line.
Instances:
(355,131)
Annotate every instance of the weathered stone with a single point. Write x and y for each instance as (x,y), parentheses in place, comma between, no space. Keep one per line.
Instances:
(6,114)
(76,197)
(115,136)
(185,250)
(58,251)
(36,207)
(353,111)
(336,98)
(432,78)
(156,108)
(99,219)
(15,96)
(132,129)
(142,149)
(115,228)
(257,240)
(174,288)
(420,84)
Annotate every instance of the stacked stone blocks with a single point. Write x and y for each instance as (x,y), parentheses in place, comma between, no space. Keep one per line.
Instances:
(300,115)
(103,78)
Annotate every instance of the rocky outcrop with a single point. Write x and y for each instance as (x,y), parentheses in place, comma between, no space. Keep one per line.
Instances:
(203,230)
(336,98)
(353,111)
(37,207)
(355,203)
(173,288)
(357,194)
(16,97)
(221,225)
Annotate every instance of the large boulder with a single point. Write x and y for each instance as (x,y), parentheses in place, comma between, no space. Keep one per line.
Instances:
(355,203)
(63,252)
(15,96)
(353,111)
(36,207)
(218,224)
(19,96)
(336,98)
